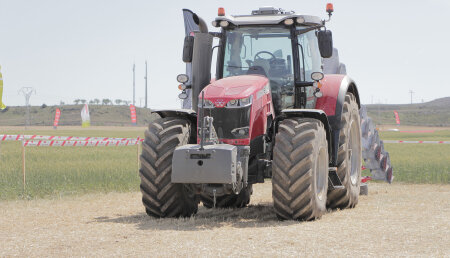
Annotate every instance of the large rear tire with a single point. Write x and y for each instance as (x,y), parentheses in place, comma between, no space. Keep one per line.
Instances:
(300,169)
(160,197)
(229,200)
(349,157)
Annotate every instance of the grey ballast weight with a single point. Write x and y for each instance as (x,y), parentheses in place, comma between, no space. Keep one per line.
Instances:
(215,164)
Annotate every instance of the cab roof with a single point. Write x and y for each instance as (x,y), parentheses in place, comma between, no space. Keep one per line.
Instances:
(268,16)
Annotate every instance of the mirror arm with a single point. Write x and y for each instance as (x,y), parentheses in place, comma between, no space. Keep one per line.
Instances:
(216,34)
(304,84)
(299,32)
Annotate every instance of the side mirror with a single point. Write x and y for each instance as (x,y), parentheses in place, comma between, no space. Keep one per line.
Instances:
(325,43)
(188,49)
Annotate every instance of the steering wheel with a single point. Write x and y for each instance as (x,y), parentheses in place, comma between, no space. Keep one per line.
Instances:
(273,57)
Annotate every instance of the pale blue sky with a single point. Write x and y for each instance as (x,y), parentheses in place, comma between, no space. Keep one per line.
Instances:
(86,48)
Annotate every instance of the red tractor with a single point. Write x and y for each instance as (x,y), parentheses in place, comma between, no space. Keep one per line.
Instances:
(270,112)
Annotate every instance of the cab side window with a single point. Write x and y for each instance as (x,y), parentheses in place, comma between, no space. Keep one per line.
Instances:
(310,60)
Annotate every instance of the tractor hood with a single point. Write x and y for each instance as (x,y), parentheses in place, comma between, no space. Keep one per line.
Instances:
(236,87)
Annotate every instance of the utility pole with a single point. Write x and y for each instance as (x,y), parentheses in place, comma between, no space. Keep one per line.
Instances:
(145,83)
(134,84)
(411,92)
(27,92)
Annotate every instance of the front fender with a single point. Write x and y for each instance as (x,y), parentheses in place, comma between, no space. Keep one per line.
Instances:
(184,113)
(334,88)
(311,113)
(188,114)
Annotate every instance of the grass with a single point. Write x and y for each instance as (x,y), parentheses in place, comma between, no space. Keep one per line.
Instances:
(419,163)
(58,171)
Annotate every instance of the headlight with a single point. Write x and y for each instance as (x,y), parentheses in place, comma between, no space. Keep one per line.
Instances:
(182,78)
(208,103)
(239,102)
(232,103)
(246,101)
(300,20)
(243,131)
(224,24)
(288,22)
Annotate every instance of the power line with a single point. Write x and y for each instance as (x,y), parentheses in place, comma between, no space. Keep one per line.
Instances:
(134,84)
(145,83)
(411,92)
(27,92)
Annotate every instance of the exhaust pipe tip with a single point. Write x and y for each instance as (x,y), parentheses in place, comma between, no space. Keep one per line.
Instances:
(201,23)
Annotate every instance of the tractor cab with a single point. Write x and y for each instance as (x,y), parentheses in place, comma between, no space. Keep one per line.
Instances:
(285,47)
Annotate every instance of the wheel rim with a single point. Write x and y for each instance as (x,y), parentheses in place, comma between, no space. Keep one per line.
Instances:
(354,160)
(321,173)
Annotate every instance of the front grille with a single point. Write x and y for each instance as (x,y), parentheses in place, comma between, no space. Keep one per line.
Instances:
(227,119)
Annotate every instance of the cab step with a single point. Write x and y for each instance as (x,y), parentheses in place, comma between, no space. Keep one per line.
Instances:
(333,179)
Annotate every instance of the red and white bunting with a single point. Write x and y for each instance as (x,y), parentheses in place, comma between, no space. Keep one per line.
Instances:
(46,143)
(20,137)
(434,142)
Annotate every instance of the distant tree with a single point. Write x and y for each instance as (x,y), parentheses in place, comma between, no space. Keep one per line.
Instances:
(83,101)
(118,101)
(61,103)
(77,101)
(44,105)
(97,101)
(105,101)
(126,102)
(91,102)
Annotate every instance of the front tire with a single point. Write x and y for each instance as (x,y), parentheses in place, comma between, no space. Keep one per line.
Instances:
(349,157)
(160,196)
(300,169)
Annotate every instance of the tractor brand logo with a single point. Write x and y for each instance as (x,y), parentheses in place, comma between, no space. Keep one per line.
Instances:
(219,102)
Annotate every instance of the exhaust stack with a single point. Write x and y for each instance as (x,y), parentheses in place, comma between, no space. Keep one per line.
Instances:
(201,60)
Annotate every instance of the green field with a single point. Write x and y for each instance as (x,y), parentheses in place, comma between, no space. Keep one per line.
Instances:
(59,171)
(419,163)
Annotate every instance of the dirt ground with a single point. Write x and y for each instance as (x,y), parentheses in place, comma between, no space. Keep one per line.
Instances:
(394,220)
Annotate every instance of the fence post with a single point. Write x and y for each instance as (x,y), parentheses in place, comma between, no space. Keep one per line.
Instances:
(23,167)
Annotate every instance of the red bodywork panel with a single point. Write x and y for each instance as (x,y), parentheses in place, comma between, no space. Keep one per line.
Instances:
(220,92)
(331,84)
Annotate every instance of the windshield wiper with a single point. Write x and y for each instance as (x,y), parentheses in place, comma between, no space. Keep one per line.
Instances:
(233,66)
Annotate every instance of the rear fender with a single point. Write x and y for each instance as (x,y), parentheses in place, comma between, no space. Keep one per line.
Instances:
(334,88)
(309,113)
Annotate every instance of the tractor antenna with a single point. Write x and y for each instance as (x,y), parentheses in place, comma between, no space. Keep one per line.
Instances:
(202,114)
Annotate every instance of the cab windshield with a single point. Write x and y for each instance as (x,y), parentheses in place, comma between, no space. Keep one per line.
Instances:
(259,50)
(265,51)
